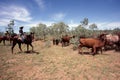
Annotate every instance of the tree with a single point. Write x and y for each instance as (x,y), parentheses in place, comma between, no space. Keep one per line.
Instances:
(33,29)
(116,30)
(59,29)
(41,30)
(93,26)
(84,22)
(10,27)
(80,30)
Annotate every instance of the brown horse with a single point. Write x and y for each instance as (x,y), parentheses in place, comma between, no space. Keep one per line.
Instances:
(5,38)
(28,41)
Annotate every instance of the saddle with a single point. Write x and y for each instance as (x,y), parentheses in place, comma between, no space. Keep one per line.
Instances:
(22,38)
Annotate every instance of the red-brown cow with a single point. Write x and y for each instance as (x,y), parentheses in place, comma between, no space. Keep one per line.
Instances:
(95,44)
(65,40)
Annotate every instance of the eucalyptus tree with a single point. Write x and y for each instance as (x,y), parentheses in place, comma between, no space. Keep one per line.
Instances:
(80,30)
(63,28)
(83,25)
(93,27)
(54,30)
(33,29)
(41,30)
(59,29)
(84,22)
(116,30)
(10,27)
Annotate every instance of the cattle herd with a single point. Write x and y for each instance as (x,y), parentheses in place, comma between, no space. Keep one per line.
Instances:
(103,41)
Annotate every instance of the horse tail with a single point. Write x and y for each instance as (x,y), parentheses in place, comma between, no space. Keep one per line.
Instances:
(0,40)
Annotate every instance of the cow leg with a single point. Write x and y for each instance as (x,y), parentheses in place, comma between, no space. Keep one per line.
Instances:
(80,49)
(68,43)
(101,50)
(94,51)
(63,44)
(53,42)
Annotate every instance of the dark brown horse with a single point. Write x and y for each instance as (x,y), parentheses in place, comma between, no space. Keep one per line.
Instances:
(5,38)
(28,41)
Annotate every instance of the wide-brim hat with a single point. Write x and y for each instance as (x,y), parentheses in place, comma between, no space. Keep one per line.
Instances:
(21,27)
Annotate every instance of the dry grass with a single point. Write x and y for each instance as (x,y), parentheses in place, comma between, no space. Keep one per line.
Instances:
(57,63)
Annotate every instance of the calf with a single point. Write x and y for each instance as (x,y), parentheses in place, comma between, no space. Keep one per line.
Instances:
(95,44)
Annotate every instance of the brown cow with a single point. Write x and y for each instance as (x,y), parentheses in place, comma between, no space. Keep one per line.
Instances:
(113,41)
(94,43)
(56,41)
(65,40)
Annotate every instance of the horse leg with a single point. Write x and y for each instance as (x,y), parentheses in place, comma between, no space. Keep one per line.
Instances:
(32,47)
(27,47)
(62,44)
(4,42)
(0,40)
(19,44)
(14,43)
(10,42)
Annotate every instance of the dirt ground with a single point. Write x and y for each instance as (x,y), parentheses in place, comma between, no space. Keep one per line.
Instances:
(57,63)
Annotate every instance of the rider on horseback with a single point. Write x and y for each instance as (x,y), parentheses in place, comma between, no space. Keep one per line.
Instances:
(7,34)
(21,34)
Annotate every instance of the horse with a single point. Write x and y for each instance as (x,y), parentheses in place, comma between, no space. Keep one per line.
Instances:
(5,38)
(94,43)
(113,41)
(28,41)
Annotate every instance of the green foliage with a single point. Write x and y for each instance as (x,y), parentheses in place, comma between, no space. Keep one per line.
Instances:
(85,21)
(93,26)
(10,27)
(59,29)
(1,33)
(40,30)
(75,42)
